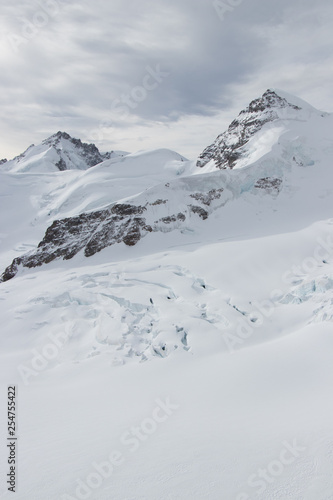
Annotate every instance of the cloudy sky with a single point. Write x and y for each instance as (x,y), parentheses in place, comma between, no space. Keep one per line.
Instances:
(139,74)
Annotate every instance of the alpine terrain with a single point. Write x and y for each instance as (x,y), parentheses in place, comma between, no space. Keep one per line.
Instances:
(168,322)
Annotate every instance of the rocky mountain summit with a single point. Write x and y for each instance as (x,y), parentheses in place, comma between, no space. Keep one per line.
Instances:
(276,136)
(120,223)
(227,147)
(88,152)
(61,152)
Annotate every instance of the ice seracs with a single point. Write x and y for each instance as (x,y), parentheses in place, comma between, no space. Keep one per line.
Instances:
(257,165)
(161,192)
(224,310)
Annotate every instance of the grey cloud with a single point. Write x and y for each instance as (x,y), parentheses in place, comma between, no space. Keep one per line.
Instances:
(92,53)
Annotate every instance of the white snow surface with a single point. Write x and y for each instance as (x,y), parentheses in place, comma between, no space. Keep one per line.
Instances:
(45,156)
(229,319)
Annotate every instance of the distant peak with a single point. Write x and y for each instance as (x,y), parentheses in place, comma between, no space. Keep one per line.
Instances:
(56,137)
(89,153)
(64,135)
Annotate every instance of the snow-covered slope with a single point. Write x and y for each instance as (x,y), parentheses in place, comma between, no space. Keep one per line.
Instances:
(33,200)
(285,150)
(58,152)
(115,179)
(183,348)
(257,129)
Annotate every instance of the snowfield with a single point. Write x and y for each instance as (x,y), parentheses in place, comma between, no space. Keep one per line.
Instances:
(197,363)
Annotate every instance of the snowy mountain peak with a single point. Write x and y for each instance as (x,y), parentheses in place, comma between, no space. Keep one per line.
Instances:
(60,151)
(230,146)
(270,99)
(129,199)
(62,137)
(70,150)
(56,137)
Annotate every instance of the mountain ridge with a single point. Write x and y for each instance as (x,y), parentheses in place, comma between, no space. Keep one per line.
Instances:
(190,198)
(228,147)
(60,152)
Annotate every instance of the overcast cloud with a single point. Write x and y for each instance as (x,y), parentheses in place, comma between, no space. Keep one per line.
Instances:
(141,74)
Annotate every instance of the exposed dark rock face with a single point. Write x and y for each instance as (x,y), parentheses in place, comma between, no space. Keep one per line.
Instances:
(88,152)
(269,184)
(89,231)
(269,99)
(172,218)
(61,165)
(11,270)
(71,153)
(128,223)
(136,229)
(4,160)
(93,231)
(200,211)
(159,202)
(122,223)
(123,209)
(227,148)
(207,198)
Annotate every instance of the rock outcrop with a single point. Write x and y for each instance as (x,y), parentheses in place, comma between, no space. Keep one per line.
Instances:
(227,148)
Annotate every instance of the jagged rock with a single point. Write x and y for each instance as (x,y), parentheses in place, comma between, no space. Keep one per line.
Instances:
(61,165)
(199,211)
(89,152)
(226,149)
(159,202)
(4,160)
(133,235)
(94,231)
(207,198)
(91,231)
(11,270)
(124,209)
(128,223)
(172,218)
(269,184)
(59,150)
